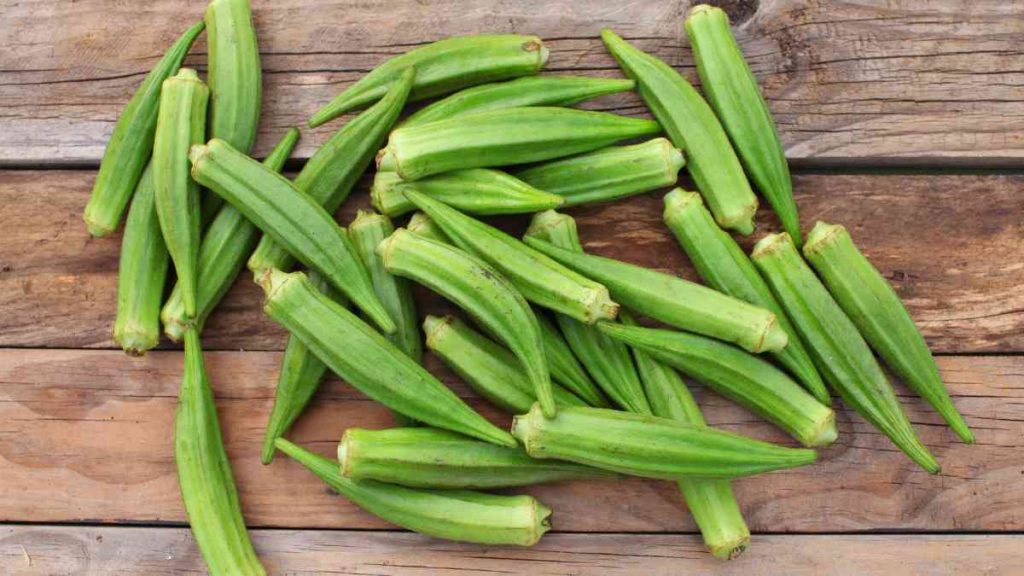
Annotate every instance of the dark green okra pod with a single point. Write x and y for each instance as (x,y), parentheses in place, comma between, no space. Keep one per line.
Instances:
(480,191)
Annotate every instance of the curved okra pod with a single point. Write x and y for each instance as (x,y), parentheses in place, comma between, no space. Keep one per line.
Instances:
(491,370)
(475,191)
(565,367)
(460,515)
(609,173)
(444,66)
(737,100)
(876,310)
(675,301)
(131,143)
(204,474)
(479,290)
(691,125)
(368,361)
(648,446)
(291,218)
(726,267)
(838,349)
(503,137)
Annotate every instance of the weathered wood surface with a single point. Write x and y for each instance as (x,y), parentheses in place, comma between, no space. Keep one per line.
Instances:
(86,551)
(851,83)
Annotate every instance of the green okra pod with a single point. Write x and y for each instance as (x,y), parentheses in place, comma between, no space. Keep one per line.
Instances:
(503,137)
(480,191)
(609,173)
(691,125)
(737,100)
(479,290)
(876,310)
(565,367)
(648,446)
(291,218)
(838,349)
(675,301)
(368,361)
(421,225)
(726,267)
(443,67)
(204,474)
(131,143)
(234,72)
(461,515)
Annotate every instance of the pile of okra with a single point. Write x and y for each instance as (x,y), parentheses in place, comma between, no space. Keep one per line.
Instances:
(551,333)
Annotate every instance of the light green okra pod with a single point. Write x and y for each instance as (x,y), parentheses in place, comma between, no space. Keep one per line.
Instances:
(180,124)
(610,173)
(737,100)
(460,515)
(368,361)
(565,367)
(292,219)
(691,125)
(443,67)
(479,290)
(838,349)
(481,191)
(876,310)
(726,267)
(204,474)
(131,143)
(421,225)
(675,301)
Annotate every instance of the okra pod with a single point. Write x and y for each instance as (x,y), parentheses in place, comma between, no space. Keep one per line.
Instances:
(368,361)
(675,301)
(610,173)
(737,100)
(291,218)
(565,367)
(443,67)
(461,515)
(234,72)
(482,191)
(691,125)
(508,136)
(838,349)
(538,278)
(131,143)
(421,225)
(648,446)
(726,267)
(876,310)
(479,290)
(181,123)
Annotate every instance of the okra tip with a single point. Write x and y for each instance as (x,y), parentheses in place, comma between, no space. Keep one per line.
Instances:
(769,244)
(701,9)
(174,328)
(544,221)
(826,433)
(821,235)
(273,280)
(774,337)
(433,327)
(135,344)
(678,201)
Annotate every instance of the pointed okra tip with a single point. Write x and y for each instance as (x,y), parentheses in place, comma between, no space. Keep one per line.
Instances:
(822,235)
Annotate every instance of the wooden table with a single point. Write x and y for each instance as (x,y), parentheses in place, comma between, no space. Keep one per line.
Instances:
(903,120)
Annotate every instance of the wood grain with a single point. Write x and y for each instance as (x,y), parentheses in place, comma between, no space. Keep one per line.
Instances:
(850,83)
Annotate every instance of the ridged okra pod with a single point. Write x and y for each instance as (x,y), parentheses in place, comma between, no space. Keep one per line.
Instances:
(368,361)
(838,349)
(675,301)
(443,67)
(479,290)
(332,171)
(180,124)
(461,515)
(235,74)
(438,459)
(131,143)
(549,90)
(291,218)
(489,369)
(648,446)
(227,242)
(691,125)
(737,100)
(565,367)
(503,137)
(609,173)
(875,308)
(421,225)
(742,377)
(482,191)
(607,360)
(538,278)
(204,474)
(726,267)
(141,273)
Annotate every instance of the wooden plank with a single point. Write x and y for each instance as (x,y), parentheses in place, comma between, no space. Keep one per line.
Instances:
(950,244)
(95,427)
(850,83)
(31,550)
